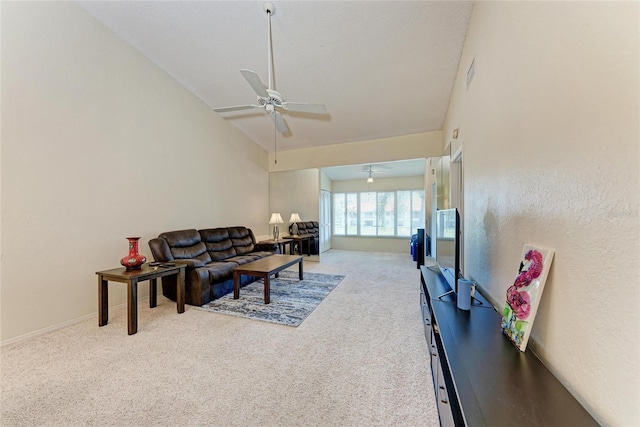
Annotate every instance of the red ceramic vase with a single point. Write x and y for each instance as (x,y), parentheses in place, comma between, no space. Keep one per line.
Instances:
(134,260)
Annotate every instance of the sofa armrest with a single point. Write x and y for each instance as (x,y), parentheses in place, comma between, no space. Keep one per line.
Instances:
(160,250)
(197,289)
(272,247)
(191,262)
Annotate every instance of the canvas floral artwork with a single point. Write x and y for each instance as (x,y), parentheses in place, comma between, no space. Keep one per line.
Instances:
(523,297)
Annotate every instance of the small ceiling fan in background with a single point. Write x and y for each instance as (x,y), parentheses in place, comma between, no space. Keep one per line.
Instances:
(268,98)
(371,169)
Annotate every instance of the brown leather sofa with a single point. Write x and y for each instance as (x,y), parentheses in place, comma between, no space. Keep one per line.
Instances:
(210,255)
(309,227)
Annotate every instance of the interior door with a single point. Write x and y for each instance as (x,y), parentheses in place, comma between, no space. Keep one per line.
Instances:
(325,220)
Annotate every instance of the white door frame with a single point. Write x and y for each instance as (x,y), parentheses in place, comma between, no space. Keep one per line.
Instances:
(456,195)
(325,220)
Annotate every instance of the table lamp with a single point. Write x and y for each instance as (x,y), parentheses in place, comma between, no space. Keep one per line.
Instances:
(295,218)
(275,220)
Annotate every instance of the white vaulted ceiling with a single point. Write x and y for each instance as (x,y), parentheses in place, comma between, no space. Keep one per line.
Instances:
(382,68)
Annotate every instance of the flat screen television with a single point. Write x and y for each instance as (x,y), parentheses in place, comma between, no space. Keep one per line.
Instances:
(448,247)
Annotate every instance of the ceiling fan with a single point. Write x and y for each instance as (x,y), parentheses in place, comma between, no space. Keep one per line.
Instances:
(373,169)
(269,98)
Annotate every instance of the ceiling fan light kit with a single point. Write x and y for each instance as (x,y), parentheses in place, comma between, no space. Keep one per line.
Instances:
(268,98)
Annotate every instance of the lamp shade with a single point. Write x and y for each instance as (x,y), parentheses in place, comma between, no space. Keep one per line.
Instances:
(276,218)
(295,218)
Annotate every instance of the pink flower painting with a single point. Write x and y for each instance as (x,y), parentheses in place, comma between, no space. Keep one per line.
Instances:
(519,302)
(523,297)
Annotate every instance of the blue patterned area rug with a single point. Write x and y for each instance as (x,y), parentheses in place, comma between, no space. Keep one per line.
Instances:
(292,300)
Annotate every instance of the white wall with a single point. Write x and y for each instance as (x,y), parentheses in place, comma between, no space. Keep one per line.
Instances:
(373,244)
(551,157)
(405,147)
(295,191)
(325,182)
(99,144)
(380,184)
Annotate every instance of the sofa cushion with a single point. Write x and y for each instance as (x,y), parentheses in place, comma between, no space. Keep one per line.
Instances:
(262,254)
(220,271)
(186,244)
(311,227)
(306,227)
(193,262)
(218,243)
(244,259)
(181,238)
(242,238)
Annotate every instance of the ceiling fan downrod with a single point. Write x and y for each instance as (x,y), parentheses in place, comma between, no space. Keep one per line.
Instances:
(269,9)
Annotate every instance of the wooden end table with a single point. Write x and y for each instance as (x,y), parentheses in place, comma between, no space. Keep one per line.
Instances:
(264,268)
(299,239)
(279,243)
(131,278)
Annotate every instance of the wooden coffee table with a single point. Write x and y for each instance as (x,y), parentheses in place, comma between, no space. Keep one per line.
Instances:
(264,268)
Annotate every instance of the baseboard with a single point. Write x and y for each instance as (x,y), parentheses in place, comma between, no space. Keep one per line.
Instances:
(63,324)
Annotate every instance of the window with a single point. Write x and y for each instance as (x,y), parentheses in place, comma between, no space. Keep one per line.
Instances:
(352,214)
(345,214)
(383,213)
(386,213)
(368,214)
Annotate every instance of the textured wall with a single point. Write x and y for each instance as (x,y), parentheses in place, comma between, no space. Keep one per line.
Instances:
(549,129)
(99,144)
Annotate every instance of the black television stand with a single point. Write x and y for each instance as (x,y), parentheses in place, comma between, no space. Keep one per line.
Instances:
(447,293)
(479,302)
(480,378)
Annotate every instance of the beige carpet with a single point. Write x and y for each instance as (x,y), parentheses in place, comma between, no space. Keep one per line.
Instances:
(360,359)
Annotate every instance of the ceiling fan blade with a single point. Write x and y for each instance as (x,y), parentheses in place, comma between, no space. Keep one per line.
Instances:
(375,168)
(305,108)
(254,81)
(281,125)
(235,108)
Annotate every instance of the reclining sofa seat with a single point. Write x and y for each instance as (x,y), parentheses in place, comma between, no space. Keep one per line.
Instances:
(309,227)
(210,256)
